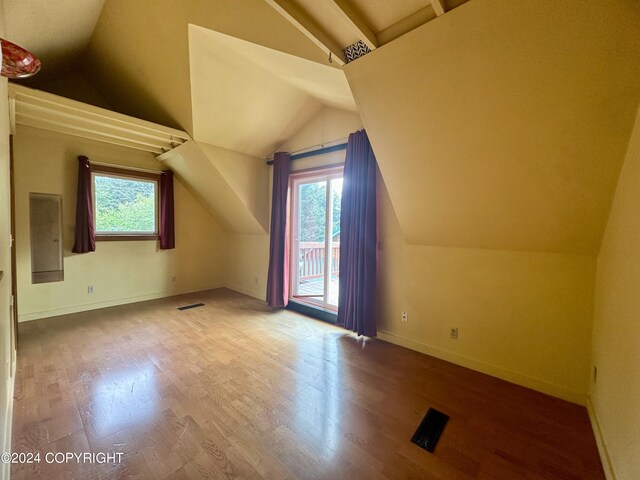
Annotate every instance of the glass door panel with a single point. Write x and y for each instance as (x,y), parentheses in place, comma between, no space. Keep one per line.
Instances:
(311,236)
(334,242)
(315,229)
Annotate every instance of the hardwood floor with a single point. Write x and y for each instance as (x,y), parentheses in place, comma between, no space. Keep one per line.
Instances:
(233,390)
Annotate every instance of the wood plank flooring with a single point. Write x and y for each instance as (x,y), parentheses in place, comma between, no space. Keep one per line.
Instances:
(234,390)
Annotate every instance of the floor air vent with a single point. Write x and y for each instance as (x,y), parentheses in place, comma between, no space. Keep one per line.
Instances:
(429,431)
(195,305)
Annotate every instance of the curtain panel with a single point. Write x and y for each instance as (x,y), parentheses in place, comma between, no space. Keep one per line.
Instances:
(85,235)
(167,227)
(278,273)
(358,238)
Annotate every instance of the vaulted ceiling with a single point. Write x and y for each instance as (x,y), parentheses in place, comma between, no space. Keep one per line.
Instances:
(497,124)
(58,32)
(137,56)
(503,125)
(236,85)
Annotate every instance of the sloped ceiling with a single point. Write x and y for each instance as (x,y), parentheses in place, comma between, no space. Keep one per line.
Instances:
(251,98)
(336,24)
(502,124)
(140,50)
(238,200)
(58,32)
(499,124)
(381,14)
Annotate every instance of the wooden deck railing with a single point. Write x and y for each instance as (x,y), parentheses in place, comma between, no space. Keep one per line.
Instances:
(312,260)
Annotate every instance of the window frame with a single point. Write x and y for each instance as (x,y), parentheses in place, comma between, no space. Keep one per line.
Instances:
(108,171)
(324,173)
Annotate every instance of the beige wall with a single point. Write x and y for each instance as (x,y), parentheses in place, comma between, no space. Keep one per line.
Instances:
(615,395)
(248,179)
(120,272)
(247,264)
(522,316)
(248,255)
(525,317)
(490,125)
(503,124)
(230,185)
(6,332)
(328,125)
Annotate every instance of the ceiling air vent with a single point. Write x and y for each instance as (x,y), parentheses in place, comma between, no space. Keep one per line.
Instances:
(355,51)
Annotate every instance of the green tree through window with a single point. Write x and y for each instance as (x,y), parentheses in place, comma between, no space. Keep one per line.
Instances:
(312,211)
(124,205)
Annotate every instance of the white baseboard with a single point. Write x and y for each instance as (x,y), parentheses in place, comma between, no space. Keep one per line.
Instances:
(493,370)
(252,293)
(5,468)
(609,472)
(26,317)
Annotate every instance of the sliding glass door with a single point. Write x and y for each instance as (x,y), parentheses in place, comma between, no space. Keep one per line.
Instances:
(315,235)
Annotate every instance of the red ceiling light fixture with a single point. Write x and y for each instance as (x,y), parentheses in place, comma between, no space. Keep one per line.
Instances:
(18,62)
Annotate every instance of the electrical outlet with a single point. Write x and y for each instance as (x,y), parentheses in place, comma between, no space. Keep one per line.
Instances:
(453,333)
(89,288)
(405,317)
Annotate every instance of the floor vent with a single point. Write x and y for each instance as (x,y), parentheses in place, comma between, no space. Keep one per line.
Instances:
(195,305)
(429,431)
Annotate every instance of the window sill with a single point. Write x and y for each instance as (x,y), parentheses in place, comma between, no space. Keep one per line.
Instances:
(112,238)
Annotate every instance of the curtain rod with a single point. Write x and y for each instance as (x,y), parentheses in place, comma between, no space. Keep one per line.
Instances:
(126,167)
(325,147)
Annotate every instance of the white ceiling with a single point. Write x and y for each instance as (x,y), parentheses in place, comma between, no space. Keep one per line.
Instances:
(250,98)
(380,14)
(324,14)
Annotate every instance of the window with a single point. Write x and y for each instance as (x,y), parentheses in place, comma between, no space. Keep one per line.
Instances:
(125,204)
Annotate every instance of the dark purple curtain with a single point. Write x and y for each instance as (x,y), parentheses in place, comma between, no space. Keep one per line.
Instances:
(85,227)
(278,275)
(167,230)
(358,238)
